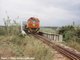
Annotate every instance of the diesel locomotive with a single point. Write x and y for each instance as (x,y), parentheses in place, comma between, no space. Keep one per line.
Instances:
(32,25)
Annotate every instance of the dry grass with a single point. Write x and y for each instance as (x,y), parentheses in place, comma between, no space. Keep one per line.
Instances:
(74,45)
(28,46)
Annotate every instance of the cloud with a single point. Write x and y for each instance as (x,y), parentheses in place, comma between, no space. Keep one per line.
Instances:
(50,12)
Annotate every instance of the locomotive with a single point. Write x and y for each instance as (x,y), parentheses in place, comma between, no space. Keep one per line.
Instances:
(32,25)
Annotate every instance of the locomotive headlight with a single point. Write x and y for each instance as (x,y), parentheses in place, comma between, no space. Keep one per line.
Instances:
(33,24)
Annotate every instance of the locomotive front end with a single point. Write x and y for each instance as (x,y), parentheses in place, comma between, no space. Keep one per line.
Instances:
(33,25)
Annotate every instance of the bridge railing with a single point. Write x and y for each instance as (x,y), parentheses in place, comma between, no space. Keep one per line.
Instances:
(55,37)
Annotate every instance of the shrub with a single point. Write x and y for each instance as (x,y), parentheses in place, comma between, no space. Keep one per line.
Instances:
(70,33)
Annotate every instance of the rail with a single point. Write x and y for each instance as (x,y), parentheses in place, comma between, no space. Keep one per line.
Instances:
(67,52)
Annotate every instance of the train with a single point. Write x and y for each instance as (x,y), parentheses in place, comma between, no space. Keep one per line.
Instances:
(32,25)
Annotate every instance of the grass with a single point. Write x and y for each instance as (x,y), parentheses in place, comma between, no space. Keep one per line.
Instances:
(28,46)
(48,30)
(74,45)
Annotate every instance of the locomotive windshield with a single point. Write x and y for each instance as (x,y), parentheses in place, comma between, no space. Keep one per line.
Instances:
(35,21)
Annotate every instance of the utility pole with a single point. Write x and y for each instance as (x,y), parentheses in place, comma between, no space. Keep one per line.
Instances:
(73,24)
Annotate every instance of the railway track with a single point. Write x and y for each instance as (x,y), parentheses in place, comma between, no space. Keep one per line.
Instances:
(68,53)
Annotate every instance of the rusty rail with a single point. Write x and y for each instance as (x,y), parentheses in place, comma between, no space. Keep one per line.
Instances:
(70,54)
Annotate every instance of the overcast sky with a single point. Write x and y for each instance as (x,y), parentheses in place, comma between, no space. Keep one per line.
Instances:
(50,12)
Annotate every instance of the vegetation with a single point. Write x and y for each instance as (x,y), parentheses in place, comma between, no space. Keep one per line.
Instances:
(48,30)
(14,44)
(9,28)
(71,35)
(17,46)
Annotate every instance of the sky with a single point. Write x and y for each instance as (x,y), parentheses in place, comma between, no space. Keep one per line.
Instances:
(49,12)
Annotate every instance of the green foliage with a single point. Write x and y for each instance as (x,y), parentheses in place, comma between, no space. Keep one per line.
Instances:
(78,32)
(2,31)
(65,29)
(70,33)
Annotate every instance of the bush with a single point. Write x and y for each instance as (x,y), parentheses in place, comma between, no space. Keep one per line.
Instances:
(2,31)
(70,33)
